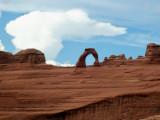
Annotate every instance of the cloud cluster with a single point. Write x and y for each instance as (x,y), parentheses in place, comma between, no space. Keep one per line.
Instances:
(50,5)
(137,39)
(52,62)
(1,46)
(141,39)
(123,10)
(46,30)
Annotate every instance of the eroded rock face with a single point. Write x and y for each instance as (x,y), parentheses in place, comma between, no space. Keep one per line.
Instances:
(81,61)
(5,57)
(140,58)
(121,57)
(25,56)
(153,53)
(112,57)
(30,56)
(130,58)
(125,107)
(121,60)
(152,56)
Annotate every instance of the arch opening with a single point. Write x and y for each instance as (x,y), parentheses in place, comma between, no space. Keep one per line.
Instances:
(90,60)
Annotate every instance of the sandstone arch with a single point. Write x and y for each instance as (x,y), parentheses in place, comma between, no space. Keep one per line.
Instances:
(81,61)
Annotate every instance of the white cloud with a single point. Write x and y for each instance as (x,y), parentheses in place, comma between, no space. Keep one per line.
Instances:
(50,5)
(59,64)
(139,39)
(46,30)
(1,46)
(123,9)
(133,39)
(117,12)
(142,39)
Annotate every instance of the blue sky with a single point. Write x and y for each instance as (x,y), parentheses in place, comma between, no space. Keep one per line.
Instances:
(63,29)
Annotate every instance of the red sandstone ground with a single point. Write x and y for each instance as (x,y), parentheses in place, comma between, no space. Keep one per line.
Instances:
(45,92)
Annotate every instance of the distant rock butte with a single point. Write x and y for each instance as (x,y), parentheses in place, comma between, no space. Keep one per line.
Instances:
(152,56)
(153,53)
(25,56)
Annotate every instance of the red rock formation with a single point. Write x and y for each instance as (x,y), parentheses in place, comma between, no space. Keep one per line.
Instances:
(121,57)
(126,107)
(112,57)
(115,60)
(25,56)
(81,61)
(30,56)
(140,58)
(152,56)
(105,59)
(5,57)
(130,58)
(153,53)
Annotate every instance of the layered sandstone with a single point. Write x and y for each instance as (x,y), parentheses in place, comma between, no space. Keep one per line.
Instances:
(153,53)
(5,57)
(30,56)
(25,56)
(125,107)
(42,92)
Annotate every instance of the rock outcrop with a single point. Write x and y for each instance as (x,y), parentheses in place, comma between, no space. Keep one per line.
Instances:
(112,57)
(152,56)
(153,53)
(121,57)
(114,60)
(140,58)
(130,58)
(32,56)
(119,60)
(5,57)
(81,61)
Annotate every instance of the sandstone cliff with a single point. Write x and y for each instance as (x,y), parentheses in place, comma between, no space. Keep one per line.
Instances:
(125,107)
